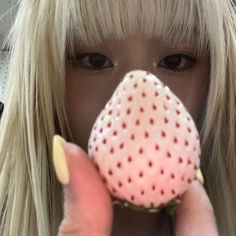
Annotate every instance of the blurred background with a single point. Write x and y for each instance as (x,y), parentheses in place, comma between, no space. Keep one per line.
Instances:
(8,10)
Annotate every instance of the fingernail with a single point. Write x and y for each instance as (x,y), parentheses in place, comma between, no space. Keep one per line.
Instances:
(200,176)
(59,160)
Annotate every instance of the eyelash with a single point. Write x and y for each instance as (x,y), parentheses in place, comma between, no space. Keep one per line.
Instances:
(189,59)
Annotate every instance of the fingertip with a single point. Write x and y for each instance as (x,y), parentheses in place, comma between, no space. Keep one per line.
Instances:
(59,160)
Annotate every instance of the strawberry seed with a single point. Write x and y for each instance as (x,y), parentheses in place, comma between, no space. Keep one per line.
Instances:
(154,107)
(104,180)
(150,164)
(177,125)
(141,174)
(157,147)
(112,150)
(186,143)
(151,121)
(163,134)
(141,151)
(132,137)
(129,159)
(141,109)
(124,126)
(166,120)
(168,154)
(130,98)
(128,111)
(118,165)
(146,134)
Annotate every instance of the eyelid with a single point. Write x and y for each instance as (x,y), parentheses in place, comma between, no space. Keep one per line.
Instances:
(187,56)
(78,56)
(191,57)
(187,52)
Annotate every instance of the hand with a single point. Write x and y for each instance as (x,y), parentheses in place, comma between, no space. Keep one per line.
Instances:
(87,203)
(88,207)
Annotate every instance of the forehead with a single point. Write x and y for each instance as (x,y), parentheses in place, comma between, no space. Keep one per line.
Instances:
(172,21)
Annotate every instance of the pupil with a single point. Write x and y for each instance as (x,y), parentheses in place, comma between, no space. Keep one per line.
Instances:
(97,60)
(173,61)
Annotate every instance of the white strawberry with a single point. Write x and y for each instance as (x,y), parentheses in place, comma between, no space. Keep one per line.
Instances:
(145,143)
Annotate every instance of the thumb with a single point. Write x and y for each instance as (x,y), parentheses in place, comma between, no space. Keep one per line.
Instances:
(87,203)
(195,214)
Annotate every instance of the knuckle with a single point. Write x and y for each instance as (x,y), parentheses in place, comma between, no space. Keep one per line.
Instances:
(68,228)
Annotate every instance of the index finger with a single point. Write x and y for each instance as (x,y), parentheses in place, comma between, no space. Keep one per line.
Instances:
(195,214)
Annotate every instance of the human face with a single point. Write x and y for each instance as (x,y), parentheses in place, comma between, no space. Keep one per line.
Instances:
(91,81)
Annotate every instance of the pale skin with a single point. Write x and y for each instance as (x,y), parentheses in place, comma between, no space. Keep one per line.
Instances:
(88,205)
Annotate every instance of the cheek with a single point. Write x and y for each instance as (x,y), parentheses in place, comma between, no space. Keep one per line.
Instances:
(194,94)
(82,110)
(85,98)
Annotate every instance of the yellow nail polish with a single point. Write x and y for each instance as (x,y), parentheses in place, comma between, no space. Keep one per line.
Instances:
(59,160)
(200,176)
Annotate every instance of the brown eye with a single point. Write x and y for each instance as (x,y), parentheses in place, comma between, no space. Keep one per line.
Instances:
(177,62)
(92,61)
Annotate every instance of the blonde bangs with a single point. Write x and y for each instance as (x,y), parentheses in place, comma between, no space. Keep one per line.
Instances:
(91,22)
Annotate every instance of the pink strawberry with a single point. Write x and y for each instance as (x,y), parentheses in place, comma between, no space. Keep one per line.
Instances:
(145,143)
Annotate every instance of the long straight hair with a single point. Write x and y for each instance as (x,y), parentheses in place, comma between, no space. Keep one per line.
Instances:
(43,34)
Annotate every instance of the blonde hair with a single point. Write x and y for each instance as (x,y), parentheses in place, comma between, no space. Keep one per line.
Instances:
(44,32)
